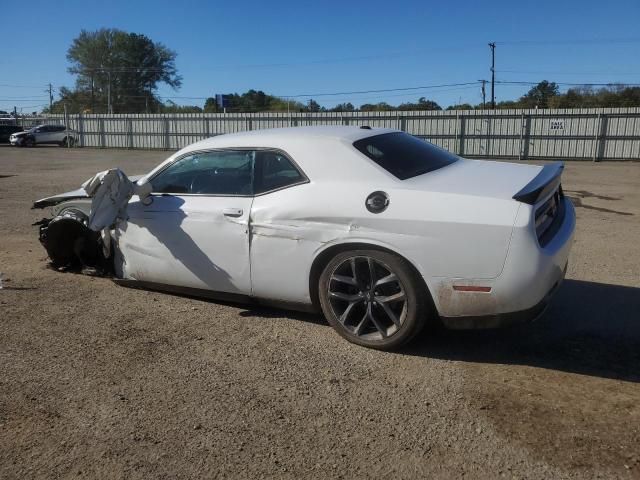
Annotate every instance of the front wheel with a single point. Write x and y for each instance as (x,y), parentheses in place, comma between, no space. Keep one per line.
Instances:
(373,298)
(68,142)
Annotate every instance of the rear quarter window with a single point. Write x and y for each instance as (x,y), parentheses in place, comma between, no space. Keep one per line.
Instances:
(403,155)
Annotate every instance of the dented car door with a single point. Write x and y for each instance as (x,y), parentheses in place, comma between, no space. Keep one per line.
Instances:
(192,231)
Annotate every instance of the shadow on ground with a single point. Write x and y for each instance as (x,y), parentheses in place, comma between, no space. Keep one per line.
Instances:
(590,328)
(577,197)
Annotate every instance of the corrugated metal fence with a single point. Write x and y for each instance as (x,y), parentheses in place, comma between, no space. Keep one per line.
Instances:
(582,134)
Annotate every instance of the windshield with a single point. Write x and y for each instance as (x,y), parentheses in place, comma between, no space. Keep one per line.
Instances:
(404,155)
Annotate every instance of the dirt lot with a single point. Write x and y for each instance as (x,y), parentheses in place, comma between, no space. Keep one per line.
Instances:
(102,381)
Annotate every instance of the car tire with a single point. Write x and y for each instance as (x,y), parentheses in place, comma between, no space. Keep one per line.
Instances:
(67,142)
(384,316)
(29,142)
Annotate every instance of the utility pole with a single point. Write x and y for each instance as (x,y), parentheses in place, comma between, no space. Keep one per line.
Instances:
(109,108)
(492,45)
(93,103)
(50,98)
(484,92)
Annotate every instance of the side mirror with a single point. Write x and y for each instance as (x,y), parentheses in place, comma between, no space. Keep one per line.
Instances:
(143,190)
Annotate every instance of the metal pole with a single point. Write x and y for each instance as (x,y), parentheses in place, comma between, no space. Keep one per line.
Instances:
(93,100)
(109,109)
(596,136)
(66,126)
(484,92)
(521,135)
(492,45)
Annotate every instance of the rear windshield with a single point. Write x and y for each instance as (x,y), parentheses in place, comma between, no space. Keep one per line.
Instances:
(404,155)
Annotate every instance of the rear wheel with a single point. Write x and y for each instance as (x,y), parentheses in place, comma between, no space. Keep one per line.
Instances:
(373,298)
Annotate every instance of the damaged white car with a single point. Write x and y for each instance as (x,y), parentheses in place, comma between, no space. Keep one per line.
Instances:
(383,232)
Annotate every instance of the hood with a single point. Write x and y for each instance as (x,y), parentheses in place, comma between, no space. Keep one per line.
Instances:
(481,178)
(71,195)
(19,134)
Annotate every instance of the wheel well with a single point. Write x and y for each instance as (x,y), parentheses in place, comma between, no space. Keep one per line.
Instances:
(69,242)
(325,257)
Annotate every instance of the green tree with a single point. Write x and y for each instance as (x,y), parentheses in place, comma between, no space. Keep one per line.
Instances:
(509,104)
(172,107)
(211,105)
(423,104)
(343,107)
(373,107)
(461,106)
(540,95)
(313,106)
(125,68)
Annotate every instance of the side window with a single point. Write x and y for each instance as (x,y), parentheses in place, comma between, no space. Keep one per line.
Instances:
(273,171)
(208,173)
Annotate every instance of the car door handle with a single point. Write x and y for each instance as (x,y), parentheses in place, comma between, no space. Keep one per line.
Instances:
(232,212)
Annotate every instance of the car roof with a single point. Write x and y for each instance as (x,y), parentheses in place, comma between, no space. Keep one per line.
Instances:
(319,150)
(279,137)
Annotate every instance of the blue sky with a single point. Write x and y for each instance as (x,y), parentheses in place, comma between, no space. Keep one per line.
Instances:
(301,47)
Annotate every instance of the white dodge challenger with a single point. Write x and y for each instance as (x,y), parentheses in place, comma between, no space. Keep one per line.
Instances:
(382,231)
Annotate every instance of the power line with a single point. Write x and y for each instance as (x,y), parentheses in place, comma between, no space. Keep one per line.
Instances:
(333,94)
(13,101)
(567,84)
(24,97)
(377,91)
(20,86)
(566,73)
(359,99)
(583,41)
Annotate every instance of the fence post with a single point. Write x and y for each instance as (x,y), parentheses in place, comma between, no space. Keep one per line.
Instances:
(461,134)
(103,142)
(130,133)
(526,137)
(81,128)
(166,132)
(403,123)
(205,119)
(603,120)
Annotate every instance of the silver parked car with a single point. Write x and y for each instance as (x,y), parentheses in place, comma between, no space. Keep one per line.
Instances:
(44,134)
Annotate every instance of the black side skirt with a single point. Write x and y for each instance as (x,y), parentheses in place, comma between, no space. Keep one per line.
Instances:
(200,293)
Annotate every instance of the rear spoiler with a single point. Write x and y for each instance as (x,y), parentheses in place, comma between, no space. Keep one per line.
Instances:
(544,183)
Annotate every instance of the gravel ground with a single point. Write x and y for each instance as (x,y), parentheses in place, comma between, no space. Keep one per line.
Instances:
(101,381)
